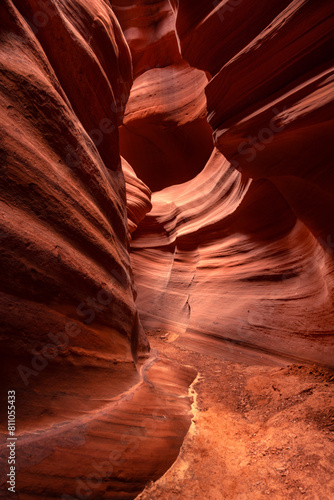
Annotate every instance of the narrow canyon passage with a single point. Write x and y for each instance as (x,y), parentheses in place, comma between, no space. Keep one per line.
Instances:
(258,431)
(167,249)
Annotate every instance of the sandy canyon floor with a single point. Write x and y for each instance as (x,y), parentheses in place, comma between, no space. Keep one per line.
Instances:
(258,431)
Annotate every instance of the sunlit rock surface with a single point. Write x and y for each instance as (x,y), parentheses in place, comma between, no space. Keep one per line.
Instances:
(138,197)
(242,255)
(223,258)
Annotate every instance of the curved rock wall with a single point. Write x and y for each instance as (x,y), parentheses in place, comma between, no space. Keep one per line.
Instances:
(235,258)
(270,101)
(95,415)
(229,268)
(138,197)
(165,135)
(149,28)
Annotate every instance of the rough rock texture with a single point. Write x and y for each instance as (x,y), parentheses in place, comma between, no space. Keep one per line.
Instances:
(95,411)
(258,431)
(244,251)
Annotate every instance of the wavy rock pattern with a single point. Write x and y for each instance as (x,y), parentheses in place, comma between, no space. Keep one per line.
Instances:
(280,117)
(242,255)
(165,135)
(149,28)
(233,251)
(96,414)
(138,197)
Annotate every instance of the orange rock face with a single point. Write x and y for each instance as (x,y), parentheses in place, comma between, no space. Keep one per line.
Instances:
(242,255)
(96,415)
(195,136)
(165,135)
(138,197)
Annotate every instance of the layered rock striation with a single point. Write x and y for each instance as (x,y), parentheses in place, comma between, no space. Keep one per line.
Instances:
(97,414)
(200,134)
(241,257)
(165,135)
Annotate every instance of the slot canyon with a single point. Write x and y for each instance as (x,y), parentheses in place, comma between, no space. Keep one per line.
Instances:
(167,249)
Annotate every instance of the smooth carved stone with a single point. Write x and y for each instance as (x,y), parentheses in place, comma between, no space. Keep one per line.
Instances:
(97,414)
(212,33)
(249,274)
(165,136)
(149,28)
(223,261)
(138,197)
(232,253)
(271,98)
(93,440)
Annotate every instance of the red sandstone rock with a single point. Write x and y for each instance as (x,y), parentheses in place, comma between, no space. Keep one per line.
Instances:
(234,257)
(270,101)
(223,261)
(91,399)
(165,136)
(138,197)
(257,272)
(149,28)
